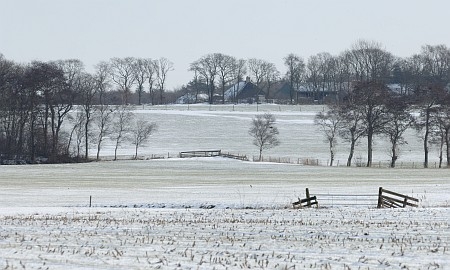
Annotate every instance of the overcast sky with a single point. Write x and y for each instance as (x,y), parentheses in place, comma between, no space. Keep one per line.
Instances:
(185,30)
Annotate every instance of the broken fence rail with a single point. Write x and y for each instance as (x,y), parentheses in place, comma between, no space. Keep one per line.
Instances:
(386,199)
(394,199)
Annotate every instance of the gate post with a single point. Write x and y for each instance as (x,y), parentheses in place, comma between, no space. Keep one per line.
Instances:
(380,200)
(308,198)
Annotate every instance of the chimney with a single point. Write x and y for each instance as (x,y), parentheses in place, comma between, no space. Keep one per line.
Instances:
(247,79)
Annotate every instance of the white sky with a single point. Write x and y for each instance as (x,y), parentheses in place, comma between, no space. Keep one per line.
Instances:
(185,30)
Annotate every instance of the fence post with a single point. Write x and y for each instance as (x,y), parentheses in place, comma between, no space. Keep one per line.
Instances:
(307,197)
(380,202)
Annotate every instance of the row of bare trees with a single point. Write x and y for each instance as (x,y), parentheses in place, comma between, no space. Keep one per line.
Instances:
(380,94)
(218,70)
(39,100)
(372,110)
(323,73)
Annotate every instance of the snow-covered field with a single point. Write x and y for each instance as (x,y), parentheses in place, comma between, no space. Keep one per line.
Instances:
(225,127)
(227,239)
(217,213)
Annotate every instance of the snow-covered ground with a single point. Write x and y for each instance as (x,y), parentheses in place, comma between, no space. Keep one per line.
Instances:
(227,239)
(225,127)
(218,213)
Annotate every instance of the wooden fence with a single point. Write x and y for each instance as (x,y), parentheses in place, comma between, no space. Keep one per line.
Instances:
(211,153)
(307,202)
(386,199)
(239,157)
(394,199)
(202,153)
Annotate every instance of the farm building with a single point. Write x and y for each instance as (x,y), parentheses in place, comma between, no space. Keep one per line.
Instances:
(244,92)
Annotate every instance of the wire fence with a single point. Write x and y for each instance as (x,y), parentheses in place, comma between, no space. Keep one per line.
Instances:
(357,163)
(306,161)
(349,200)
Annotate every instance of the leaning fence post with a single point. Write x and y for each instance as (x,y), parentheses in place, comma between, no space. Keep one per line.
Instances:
(380,192)
(308,198)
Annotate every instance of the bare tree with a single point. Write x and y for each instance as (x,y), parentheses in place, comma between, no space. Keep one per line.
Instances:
(103,121)
(66,96)
(239,71)
(399,120)
(370,61)
(257,69)
(87,88)
(141,132)
(352,126)
(343,74)
(264,132)
(329,123)
(318,74)
(150,67)
(163,67)
(271,76)
(207,68)
(295,72)
(78,131)
(264,73)
(370,99)
(428,102)
(122,124)
(140,75)
(123,76)
(225,66)
(443,123)
(430,71)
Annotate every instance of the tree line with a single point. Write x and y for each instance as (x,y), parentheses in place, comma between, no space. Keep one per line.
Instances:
(323,74)
(36,99)
(372,107)
(372,110)
(369,89)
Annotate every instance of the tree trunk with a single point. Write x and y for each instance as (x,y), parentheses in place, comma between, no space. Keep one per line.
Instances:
(331,154)
(223,91)
(394,155)
(86,135)
(260,154)
(115,150)
(425,139)
(32,139)
(45,130)
(447,144)
(136,152)
(98,149)
(352,151)
(140,94)
(369,147)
